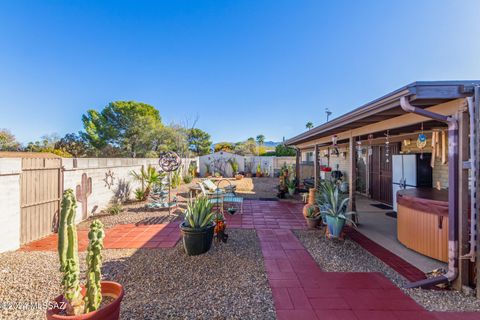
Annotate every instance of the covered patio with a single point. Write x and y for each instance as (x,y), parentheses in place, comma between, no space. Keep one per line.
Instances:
(413,145)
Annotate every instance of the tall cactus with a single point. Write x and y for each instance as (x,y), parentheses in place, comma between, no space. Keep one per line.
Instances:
(94,264)
(68,254)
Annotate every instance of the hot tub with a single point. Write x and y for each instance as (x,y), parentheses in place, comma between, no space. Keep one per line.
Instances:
(422,221)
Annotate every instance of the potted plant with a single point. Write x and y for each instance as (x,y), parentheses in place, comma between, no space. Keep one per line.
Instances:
(312,217)
(234,164)
(291,186)
(198,226)
(259,171)
(78,301)
(333,206)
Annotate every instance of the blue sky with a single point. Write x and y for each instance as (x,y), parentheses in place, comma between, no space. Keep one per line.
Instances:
(246,67)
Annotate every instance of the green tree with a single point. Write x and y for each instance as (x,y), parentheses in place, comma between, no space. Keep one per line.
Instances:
(309,125)
(246,147)
(126,125)
(47,144)
(8,142)
(199,141)
(224,146)
(260,139)
(282,150)
(74,144)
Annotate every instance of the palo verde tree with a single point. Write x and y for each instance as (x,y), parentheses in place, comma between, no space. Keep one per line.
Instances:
(8,142)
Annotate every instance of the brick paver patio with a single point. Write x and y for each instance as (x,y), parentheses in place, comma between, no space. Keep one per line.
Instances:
(122,236)
(300,289)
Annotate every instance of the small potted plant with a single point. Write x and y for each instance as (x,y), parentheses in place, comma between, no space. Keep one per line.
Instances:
(333,206)
(259,171)
(291,186)
(312,217)
(78,301)
(198,226)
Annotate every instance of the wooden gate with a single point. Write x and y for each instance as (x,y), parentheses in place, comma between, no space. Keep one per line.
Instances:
(41,188)
(381,173)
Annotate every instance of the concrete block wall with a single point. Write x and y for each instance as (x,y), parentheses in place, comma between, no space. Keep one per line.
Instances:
(95,168)
(10,169)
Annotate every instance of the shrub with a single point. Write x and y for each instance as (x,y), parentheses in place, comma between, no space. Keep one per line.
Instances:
(187,179)
(114,208)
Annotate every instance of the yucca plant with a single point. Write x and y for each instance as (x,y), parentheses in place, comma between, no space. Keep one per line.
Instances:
(147,178)
(199,213)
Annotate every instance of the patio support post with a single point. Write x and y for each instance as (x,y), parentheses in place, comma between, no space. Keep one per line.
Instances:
(463,135)
(352,178)
(477,178)
(316,173)
(297,166)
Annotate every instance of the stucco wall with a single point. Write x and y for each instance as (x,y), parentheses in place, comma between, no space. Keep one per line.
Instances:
(10,169)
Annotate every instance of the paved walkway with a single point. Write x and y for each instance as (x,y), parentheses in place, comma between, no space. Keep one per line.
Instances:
(301,290)
(122,236)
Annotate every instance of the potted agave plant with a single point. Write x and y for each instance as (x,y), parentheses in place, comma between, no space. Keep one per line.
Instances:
(291,186)
(198,226)
(333,206)
(78,301)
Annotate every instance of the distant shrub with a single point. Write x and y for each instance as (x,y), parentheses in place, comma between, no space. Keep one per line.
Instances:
(187,179)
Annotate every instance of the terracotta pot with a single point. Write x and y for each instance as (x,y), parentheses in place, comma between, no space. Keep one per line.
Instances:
(108,312)
(311,196)
(238,177)
(312,223)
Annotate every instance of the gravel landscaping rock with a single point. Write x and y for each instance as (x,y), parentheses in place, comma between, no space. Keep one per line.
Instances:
(348,256)
(228,282)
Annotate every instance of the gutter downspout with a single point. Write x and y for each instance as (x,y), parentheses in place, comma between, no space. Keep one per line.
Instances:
(452,194)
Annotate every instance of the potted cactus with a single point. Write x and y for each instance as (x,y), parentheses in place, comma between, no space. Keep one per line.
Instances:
(291,186)
(78,301)
(198,226)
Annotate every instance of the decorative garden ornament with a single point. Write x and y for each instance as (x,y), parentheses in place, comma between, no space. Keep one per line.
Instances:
(169,161)
(421,142)
(387,147)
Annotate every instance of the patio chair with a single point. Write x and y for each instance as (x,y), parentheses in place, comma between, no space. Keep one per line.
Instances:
(212,187)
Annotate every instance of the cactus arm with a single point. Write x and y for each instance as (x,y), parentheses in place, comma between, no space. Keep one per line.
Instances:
(93,297)
(68,254)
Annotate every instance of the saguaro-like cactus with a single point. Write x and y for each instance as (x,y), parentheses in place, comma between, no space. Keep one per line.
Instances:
(68,254)
(94,265)
(83,191)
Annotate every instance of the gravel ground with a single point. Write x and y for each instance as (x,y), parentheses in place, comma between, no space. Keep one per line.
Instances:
(348,256)
(229,282)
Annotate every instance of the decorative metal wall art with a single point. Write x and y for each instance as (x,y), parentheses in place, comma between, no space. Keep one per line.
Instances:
(109,179)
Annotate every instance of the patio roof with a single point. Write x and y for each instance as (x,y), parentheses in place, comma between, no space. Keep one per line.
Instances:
(422,94)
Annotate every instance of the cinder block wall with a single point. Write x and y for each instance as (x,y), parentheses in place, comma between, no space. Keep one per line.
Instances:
(94,168)
(97,169)
(10,169)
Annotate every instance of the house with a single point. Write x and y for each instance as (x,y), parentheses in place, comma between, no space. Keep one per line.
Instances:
(413,151)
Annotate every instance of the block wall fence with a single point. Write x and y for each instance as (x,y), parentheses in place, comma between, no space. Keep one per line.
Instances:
(105,174)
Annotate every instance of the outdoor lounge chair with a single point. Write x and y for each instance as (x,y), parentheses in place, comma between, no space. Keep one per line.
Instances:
(212,187)
(219,197)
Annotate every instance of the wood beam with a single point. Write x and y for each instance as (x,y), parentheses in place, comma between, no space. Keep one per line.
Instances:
(447,108)
(316,171)
(352,177)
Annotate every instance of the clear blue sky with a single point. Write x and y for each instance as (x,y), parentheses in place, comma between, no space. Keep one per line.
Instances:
(246,67)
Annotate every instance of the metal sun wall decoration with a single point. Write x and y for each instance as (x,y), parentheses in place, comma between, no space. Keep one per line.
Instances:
(109,179)
(169,161)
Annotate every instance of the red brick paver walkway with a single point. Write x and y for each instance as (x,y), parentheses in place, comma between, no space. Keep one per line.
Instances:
(301,290)
(122,236)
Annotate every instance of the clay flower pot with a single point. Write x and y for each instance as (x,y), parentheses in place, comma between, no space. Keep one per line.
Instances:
(238,177)
(109,312)
(312,223)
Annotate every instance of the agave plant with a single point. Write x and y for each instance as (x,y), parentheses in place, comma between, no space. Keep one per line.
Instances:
(199,213)
(312,212)
(332,203)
